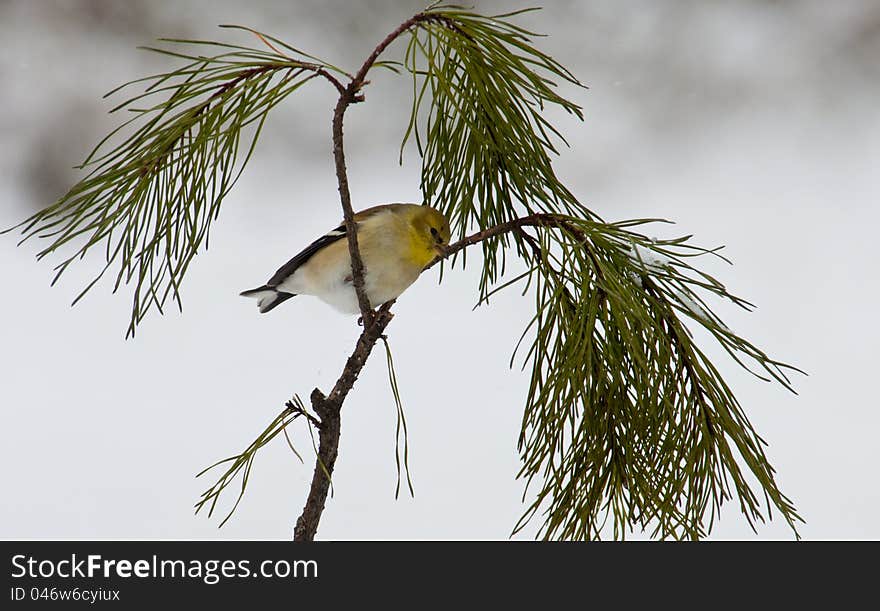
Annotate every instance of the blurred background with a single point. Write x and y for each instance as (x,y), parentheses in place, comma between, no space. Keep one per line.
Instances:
(752,124)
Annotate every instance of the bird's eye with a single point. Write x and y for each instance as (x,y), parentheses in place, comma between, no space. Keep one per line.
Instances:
(433,232)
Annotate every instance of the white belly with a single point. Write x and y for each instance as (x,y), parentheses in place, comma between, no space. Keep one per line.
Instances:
(327,276)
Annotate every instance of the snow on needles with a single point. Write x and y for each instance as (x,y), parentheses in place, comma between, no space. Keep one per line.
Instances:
(650,261)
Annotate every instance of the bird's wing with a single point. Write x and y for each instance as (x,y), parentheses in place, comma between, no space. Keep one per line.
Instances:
(287,270)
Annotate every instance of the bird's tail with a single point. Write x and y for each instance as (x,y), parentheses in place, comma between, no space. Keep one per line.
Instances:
(267,297)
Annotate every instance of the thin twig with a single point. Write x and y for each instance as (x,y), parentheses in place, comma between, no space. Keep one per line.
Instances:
(357,264)
(532,220)
(329,407)
(296,409)
(351,95)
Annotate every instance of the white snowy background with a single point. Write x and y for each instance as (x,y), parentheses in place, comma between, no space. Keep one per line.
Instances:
(752,124)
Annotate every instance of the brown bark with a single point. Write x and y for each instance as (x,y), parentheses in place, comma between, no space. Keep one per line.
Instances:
(329,407)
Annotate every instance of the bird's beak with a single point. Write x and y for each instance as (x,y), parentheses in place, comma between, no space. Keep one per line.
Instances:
(440,249)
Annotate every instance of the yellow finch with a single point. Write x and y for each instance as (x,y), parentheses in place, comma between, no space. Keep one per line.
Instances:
(396,242)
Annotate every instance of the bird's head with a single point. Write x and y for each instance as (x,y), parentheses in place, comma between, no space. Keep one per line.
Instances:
(433,229)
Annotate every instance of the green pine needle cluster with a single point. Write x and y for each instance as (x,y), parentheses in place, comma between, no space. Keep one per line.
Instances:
(628,422)
(239,467)
(625,417)
(480,95)
(156,183)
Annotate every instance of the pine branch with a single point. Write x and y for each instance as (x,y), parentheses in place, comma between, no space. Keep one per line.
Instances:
(329,408)
(351,95)
(626,418)
(241,464)
(480,93)
(618,388)
(156,183)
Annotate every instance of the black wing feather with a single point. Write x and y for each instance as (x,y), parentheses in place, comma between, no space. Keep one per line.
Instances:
(287,270)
